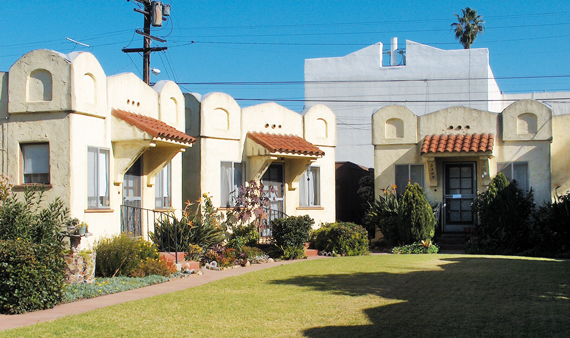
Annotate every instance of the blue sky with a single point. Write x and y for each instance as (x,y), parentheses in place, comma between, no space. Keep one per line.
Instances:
(255,50)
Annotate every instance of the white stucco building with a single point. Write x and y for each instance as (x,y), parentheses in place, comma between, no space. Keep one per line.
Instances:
(357,85)
(97,142)
(294,153)
(453,153)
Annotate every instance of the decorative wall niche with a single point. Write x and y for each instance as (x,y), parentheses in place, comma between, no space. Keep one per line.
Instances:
(321,129)
(394,128)
(40,85)
(526,123)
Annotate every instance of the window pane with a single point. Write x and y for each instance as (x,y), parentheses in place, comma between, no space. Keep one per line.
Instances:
(520,174)
(97,177)
(226,183)
(304,190)
(417,174)
(92,177)
(237,177)
(314,181)
(36,163)
(402,178)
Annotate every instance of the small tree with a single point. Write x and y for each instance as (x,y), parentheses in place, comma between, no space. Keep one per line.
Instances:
(416,221)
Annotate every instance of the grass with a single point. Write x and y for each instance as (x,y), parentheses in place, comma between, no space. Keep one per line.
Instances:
(371,296)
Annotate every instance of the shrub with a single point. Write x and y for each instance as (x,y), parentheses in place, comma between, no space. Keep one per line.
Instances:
(200,225)
(243,235)
(31,252)
(504,218)
(150,266)
(383,213)
(342,238)
(416,221)
(422,247)
(252,252)
(223,256)
(290,235)
(120,255)
(551,228)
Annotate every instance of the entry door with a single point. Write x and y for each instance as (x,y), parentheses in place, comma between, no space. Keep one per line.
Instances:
(132,200)
(274,177)
(459,193)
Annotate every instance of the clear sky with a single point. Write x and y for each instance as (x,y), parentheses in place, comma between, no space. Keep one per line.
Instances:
(255,50)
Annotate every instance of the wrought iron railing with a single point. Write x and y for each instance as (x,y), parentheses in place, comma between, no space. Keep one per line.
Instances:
(134,220)
(264,228)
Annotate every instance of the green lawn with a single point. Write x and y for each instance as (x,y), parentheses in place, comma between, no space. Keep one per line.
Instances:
(372,296)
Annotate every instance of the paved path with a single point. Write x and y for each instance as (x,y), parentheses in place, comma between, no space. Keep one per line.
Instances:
(13,321)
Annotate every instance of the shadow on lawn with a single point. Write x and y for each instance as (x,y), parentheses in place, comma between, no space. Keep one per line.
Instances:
(468,297)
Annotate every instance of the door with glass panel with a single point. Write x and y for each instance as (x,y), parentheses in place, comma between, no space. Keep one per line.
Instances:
(460,188)
(274,177)
(132,200)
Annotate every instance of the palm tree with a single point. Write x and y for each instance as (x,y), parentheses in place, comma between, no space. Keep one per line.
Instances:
(468,27)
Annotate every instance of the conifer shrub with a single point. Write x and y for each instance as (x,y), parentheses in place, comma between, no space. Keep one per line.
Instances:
(504,212)
(342,238)
(290,235)
(416,221)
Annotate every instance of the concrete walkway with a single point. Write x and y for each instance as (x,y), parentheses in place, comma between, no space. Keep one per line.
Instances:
(13,321)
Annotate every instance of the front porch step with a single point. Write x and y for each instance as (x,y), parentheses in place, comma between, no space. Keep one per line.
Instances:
(451,242)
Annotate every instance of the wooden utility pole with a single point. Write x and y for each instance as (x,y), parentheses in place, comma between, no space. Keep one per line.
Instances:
(153,16)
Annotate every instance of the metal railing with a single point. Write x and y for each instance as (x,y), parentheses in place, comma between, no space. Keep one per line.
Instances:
(264,228)
(134,220)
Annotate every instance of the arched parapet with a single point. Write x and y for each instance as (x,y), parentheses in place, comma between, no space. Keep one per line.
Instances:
(128,92)
(458,120)
(272,118)
(170,103)
(320,126)
(192,103)
(220,116)
(40,81)
(394,125)
(527,120)
(89,85)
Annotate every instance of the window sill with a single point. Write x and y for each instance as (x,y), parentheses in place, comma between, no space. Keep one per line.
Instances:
(225,208)
(102,211)
(32,186)
(310,208)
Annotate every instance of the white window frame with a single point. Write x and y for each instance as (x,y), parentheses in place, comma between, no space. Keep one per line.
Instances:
(230,182)
(399,188)
(163,188)
(509,168)
(35,163)
(310,187)
(98,178)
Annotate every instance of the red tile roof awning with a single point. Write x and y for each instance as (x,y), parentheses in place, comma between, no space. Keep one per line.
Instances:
(154,127)
(458,143)
(285,144)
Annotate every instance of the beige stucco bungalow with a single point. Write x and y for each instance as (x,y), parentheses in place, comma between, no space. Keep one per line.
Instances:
(100,143)
(294,153)
(453,153)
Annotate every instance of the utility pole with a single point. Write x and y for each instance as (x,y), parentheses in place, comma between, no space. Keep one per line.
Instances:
(154,13)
